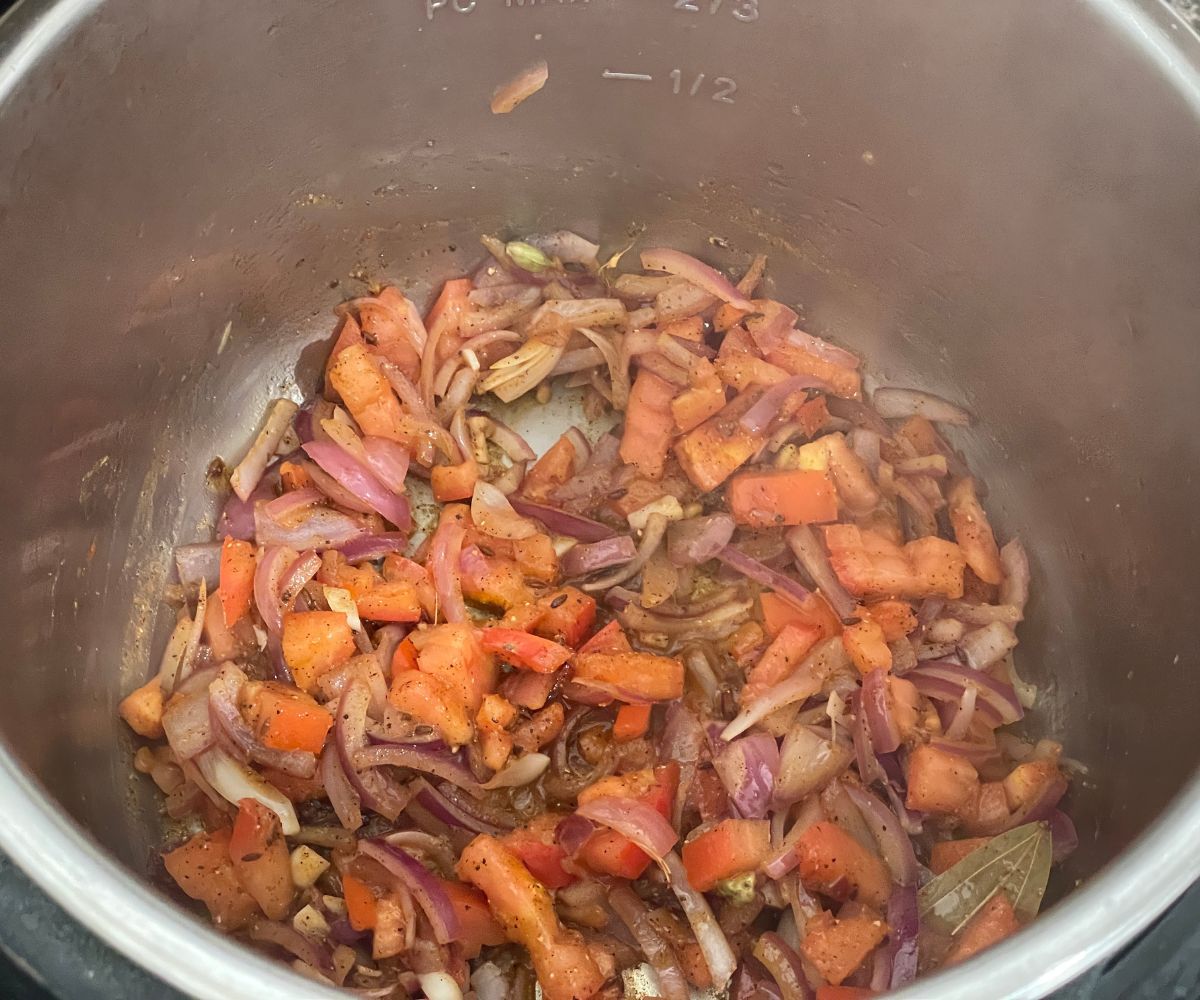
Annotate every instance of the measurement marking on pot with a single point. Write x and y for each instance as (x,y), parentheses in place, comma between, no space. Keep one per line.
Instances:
(612,74)
(745,11)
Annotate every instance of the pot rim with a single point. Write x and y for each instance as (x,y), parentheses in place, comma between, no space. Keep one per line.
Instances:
(1090,924)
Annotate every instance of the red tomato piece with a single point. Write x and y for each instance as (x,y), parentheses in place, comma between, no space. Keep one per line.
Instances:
(521,649)
(732,847)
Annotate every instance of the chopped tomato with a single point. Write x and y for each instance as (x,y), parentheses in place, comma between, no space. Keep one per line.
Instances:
(203,870)
(715,450)
(349,334)
(405,657)
(536,557)
(492,580)
(649,425)
(834,863)
(746,643)
(387,322)
(939,781)
(530,690)
(782,496)
(611,853)
(367,394)
(871,565)
(313,642)
(691,329)
(287,719)
(538,851)
(812,415)
(695,405)
(846,382)
(335,571)
(732,847)
(740,369)
(397,569)
(707,795)
(838,947)
(453,674)
(632,721)
(779,611)
(391,919)
(361,907)
(896,618)
(866,646)
(1030,782)
(781,658)
(294,477)
(567,616)
(631,677)
(260,858)
(610,639)
(390,602)
(973,532)
(947,853)
(445,315)
(477,927)
(237,579)
(989,926)
(906,705)
(550,471)
(522,906)
(520,649)
(454,482)
(986,812)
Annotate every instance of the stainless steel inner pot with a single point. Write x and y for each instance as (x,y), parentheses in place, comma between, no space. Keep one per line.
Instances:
(999,202)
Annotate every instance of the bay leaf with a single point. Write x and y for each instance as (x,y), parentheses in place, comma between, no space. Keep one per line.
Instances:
(1017,862)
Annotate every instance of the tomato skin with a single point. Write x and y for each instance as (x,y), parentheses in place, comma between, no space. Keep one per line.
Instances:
(477,926)
(530,652)
(361,908)
(732,847)
(260,858)
(989,926)
(544,861)
(832,862)
(610,639)
(782,496)
(567,616)
(237,579)
(522,906)
(939,781)
(203,870)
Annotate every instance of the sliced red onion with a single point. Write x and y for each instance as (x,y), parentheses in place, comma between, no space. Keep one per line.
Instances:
(784,965)
(450,813)
(892,403)
(748,768)
(573,832)
(673,984)
(824,349)
(506,439)
(234,781)
(361,481)
(640,823)
(439,986)
(559,522)
(223,694)
(869,768)
(519,771)
(1015,588)
(827,658)
(493,515)
(769,405)
(1063,836)
(983,614)
(388,461)
(963,715)
(375,790)
(426,889)
(763,574)
(698,539)
(810,553)
(876,703)
(237,518)
(589,557)
(718,956)
(199,562)
(697,272)
(583,448)
(985,646)
(903,935)
(371,547)
(250,469)
(306,566)
(578,361)
(445,547)
(188,725)
(676,302)
(976,753)
(570,248)
(808,761)
(652,537)
(894,845)
(944,680)
(320,528)
(268,582)
(342,795)
(310,951)
(416,758)
(283,507)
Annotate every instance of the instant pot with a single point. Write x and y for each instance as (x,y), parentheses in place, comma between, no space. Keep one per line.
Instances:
(999,202)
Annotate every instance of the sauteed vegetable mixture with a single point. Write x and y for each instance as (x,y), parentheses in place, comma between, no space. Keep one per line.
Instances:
(721,693)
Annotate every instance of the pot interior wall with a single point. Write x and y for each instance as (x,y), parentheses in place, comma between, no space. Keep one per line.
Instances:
(983,204)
